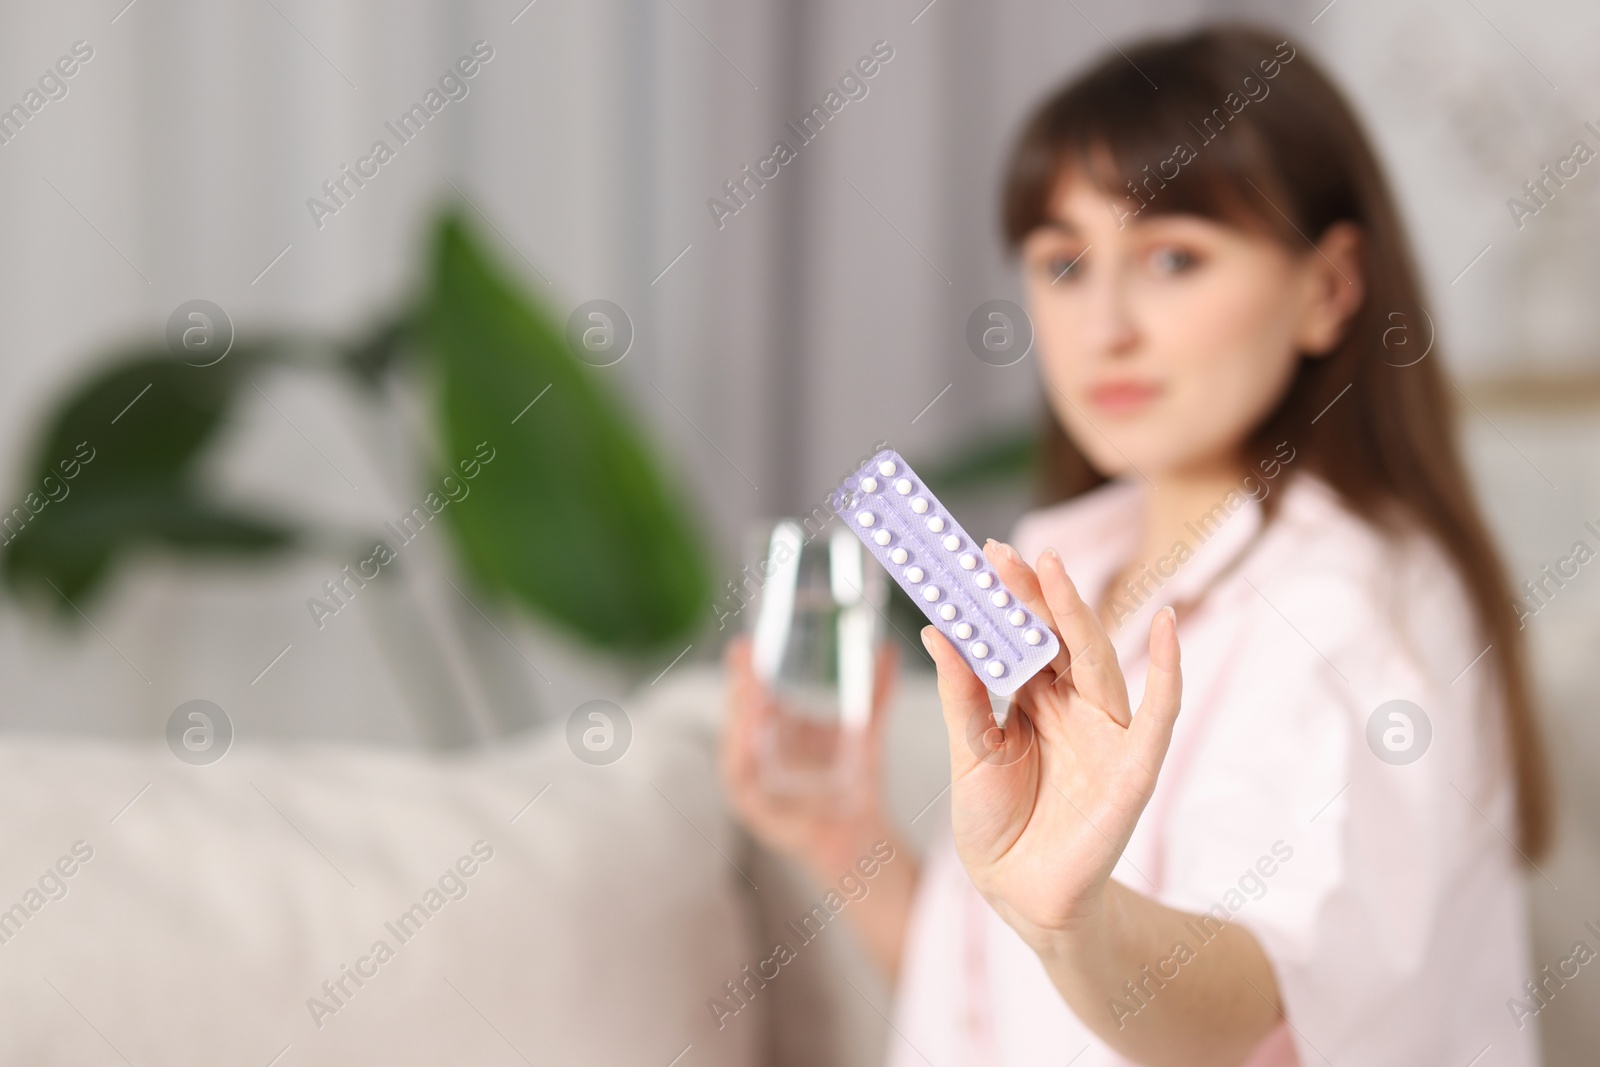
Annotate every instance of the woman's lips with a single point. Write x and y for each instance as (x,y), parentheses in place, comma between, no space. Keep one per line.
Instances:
(1122,398)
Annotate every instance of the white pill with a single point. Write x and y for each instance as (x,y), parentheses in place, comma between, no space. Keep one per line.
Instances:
(979,650)
(899,555)
(919,505)
(866,518)
(968,561)
(914,575)
(963,630)
(936,524)
(903,486)
(952,542)
(1000,599)
(995,668)
(869,484)
(1017,618)
(930,592)
(882,537)
(984,580)
(886,468)
(1033,637)
(947,612)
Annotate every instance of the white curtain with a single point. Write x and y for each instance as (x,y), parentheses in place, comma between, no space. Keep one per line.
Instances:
(827,313)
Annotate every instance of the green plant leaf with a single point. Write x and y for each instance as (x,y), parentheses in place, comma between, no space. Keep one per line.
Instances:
(571,518)
(1007,456)
(116,470)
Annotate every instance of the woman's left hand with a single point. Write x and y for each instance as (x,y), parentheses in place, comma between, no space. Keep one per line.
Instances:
(1039,831)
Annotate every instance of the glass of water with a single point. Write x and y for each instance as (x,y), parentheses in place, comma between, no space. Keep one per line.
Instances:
(815,627)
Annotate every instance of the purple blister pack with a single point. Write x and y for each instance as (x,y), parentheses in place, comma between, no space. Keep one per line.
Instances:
(944,572)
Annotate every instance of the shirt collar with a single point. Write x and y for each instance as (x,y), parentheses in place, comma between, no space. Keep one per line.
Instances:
(1094,534)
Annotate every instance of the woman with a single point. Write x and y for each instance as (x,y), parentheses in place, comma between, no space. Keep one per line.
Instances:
(1252,453)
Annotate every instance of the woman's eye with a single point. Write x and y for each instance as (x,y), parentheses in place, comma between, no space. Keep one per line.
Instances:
(1172,260)
(1062,267)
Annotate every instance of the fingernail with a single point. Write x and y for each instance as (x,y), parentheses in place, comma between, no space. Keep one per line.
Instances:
(927,640)
(1050,555)
(1171,614)
(1013,555)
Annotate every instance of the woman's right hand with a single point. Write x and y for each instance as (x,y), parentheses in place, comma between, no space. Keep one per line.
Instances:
(826,833)
(830,835)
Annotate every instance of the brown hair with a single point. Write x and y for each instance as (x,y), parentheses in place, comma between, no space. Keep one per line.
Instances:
(1274,147)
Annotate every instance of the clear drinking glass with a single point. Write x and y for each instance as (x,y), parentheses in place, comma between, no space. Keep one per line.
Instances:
(815,626)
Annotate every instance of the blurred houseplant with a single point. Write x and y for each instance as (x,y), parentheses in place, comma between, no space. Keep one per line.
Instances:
(574,521)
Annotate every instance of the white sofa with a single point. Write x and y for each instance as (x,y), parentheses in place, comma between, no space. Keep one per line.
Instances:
(215,902)
(222,898)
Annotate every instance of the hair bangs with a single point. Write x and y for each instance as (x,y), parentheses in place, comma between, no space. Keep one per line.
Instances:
(1160,151)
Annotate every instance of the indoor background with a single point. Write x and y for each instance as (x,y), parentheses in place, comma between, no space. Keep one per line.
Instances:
(770,348)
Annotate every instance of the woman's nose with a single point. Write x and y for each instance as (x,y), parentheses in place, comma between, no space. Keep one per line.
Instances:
(1111,328)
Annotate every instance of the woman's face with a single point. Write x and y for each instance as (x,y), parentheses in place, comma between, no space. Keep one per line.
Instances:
(1164,340)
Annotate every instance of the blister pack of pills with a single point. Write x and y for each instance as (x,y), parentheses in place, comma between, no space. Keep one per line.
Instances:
(944,572)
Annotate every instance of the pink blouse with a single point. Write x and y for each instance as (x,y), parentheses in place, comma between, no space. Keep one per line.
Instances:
(1366,845)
